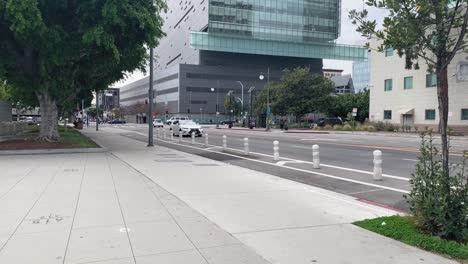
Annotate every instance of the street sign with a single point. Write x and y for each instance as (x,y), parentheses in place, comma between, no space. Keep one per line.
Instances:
(354,114)
(268,111)
(354,110)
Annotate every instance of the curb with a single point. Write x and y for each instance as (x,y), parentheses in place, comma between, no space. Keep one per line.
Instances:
(52,151)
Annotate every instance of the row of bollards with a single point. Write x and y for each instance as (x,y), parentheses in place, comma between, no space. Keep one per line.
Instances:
(377,174)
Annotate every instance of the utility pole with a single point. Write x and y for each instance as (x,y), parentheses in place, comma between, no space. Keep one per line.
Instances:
(150,106)
(251,107)
(97,111)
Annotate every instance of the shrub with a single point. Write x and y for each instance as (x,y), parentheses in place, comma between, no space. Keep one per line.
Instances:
(338,127)
(371,128)
(327,127)
(379,126)
(347,127)
(439,199)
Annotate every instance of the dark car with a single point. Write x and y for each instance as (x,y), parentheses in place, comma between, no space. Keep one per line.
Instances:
(329,121)
(117,121)
(228,122)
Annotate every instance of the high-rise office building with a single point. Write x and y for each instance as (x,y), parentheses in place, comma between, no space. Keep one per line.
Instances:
(215,46)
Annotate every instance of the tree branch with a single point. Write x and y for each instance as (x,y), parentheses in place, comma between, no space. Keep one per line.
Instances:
(460,41)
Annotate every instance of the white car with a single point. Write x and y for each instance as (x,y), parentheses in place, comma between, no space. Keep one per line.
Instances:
(186,128)
(158,123)
(173,119)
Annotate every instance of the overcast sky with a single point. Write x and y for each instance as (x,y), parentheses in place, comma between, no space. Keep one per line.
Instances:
(348,36)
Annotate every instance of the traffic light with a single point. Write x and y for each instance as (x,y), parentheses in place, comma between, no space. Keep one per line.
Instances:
(188,110)
(146,101)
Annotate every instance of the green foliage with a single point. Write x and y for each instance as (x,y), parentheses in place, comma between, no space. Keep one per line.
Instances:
(231,102)
(371,128)
(351,121)
(4,92)
(74,139)
(328,127)
(343,104)
(58,52)
(439,201)
(406,230)
(298,92)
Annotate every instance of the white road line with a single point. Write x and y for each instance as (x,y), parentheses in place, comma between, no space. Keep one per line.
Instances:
(308,162)
(410,160)
(296,169)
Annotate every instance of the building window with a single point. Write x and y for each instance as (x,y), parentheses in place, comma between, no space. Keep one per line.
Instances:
(389,52)
(387,114)
(430,114)
(431,80)
(462,71)
(388,85)
(408,83)
(464,114)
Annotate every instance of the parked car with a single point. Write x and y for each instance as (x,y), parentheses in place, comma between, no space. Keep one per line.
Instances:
(186,128)
(329,121)
(117,121)
(158,123)
(171,120)
(228,122)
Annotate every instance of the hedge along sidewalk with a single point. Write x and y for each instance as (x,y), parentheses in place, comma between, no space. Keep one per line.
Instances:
(71,141)
(404,229)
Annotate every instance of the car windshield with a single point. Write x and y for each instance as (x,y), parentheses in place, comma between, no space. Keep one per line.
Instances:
(187,122)
(157,120)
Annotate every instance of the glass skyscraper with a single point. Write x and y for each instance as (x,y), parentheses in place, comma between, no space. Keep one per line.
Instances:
(216,46)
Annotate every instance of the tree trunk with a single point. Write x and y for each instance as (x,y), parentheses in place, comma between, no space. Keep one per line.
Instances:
(443,98)
(49,117)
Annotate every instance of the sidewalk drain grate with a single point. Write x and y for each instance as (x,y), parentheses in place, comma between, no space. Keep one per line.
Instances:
(175,161)
(206,165)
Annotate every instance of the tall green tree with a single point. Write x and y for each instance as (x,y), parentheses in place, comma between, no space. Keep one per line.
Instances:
(420,30)
(231,102)
(298,92)
(51,51)
(343,104)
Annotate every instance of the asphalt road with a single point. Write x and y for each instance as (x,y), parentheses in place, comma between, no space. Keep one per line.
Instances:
(346,159)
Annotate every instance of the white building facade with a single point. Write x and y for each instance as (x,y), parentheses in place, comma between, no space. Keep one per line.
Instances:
(409,97)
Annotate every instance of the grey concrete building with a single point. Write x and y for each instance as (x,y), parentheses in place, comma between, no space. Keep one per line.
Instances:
(215,46)
(343,84)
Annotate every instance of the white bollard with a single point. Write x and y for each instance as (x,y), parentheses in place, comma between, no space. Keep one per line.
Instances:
(377,165)
(164,133)
(246,146)
(193,138)
(156,134)
(180,137)
(276,155)
(224,142)
(316,156)
(206,140)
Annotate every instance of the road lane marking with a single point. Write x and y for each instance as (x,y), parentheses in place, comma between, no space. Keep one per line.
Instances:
(284,162)
(410,160)
(322,164)
(295,169)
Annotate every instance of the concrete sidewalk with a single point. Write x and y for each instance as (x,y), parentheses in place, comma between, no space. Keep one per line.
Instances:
(155,205)
(283,221)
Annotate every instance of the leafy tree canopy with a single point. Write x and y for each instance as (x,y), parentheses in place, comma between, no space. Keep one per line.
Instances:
(298,92)
(343,104)
(50,51)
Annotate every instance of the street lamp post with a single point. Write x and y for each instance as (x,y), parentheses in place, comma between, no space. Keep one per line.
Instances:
(217,105)
(262,77)
(150,106)
(230,104)
(251,107)
(242,102)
